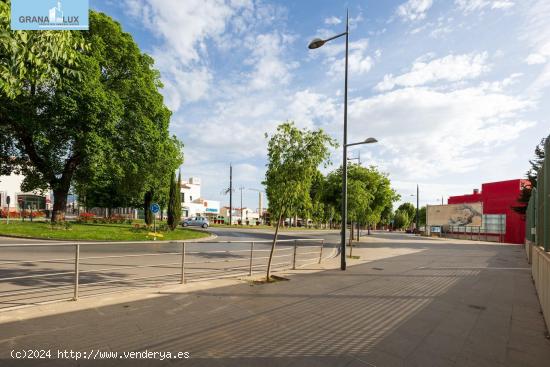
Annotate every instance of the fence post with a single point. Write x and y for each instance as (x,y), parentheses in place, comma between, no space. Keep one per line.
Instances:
(251,253)
(294,258)
(182,280)
(76,270)
(321,252)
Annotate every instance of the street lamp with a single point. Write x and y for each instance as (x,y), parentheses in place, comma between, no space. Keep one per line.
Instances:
(316,43)
(417,227)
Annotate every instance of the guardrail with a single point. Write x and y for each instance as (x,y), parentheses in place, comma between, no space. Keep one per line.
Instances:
(83,269)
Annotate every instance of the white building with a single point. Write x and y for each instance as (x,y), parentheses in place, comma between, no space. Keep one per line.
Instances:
(19,200)
(248,216)
(192,204)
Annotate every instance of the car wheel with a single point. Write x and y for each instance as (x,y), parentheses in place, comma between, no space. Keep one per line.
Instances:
(205,226)
(184,224)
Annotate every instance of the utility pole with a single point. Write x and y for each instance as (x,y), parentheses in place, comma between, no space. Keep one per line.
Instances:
(259,204)
(241,188)
(417,214)
(230,194)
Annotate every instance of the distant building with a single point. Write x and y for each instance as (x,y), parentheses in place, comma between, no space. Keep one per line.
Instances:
(497,200)
(192,204)
(249,216)
(19,199)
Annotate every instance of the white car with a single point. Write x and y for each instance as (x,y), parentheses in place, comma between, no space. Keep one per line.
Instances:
(197,222)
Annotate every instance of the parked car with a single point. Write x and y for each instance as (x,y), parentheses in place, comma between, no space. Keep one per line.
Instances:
(197,222)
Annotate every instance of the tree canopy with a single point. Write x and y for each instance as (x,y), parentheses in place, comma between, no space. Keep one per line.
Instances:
(294,156)
(92,117)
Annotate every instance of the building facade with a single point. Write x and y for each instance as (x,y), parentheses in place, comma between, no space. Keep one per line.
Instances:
(193,205)
(498,199)
(247,215)
(10,186)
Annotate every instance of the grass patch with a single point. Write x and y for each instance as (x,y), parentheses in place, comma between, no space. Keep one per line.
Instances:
(93,232)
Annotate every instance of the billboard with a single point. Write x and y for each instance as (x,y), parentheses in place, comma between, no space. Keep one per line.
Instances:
(455,214)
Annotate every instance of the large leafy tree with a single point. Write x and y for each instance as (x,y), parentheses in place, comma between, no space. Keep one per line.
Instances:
(30,58)
(401,219)
(410,210)
(104,125)
(294,156)
(369,193)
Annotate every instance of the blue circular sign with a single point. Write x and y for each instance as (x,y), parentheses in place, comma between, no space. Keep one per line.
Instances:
(155,208)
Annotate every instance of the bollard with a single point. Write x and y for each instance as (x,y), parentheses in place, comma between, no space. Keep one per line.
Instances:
(251,253)
(321,251)
(76,270)
(182,280)
(294,259)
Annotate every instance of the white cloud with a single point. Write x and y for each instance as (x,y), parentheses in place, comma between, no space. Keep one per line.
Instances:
(333,20)
(359,62)
(270,68)
(414,9)
(181,56)
(537,36)
(438,132)
(535,59)
(468,6)
(449,68)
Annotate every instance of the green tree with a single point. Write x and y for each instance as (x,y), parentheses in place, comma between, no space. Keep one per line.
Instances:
(293,158)
(410,210)
(369,193)
(173,199)
(107,130)
(531,175)
(34,59)
(401,219)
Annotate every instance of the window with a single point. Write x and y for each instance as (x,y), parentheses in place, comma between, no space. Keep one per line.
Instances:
(182,197)
(34,202)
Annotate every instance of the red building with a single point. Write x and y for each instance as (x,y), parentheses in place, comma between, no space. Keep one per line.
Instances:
(499,198)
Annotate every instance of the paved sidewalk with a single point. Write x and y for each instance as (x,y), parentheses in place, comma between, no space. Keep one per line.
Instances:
(406,302)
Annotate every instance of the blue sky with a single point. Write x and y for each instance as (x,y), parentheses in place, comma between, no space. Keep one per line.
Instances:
(456,91)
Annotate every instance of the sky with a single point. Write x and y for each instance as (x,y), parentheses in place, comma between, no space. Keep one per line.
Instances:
(455,91)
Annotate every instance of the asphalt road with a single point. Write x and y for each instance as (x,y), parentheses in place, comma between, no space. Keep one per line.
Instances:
(36,274)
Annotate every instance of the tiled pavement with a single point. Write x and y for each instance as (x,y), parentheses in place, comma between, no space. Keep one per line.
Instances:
(417,303)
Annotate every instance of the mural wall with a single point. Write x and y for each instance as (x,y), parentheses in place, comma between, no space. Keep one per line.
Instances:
(455,214)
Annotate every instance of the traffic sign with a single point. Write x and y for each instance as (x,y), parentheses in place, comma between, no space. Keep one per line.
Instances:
(155,208)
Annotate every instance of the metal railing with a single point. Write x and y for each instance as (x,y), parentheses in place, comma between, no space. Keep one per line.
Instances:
(84,269)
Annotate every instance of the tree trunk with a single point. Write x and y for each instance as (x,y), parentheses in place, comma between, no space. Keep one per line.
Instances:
(147,214)
(268,274)
(59,204)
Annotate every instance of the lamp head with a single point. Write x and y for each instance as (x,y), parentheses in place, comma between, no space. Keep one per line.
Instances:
(370,140)
(316,43)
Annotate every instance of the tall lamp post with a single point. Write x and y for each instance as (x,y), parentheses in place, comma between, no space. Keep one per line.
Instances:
(316,43)
(417,208)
